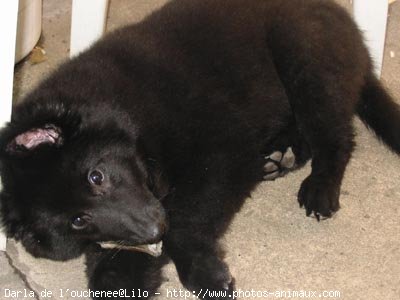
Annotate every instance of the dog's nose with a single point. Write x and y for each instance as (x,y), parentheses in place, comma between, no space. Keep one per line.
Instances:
(156,224)
(157,231)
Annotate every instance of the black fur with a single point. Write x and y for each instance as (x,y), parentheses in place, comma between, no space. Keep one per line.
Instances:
(177,114)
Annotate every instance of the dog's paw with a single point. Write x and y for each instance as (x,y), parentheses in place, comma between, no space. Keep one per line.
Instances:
(319,198)
(278,164)
(218,294)
(210,279)
(108,281)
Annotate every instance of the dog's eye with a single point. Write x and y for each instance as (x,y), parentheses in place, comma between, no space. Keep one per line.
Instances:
(96,177)
(80,222)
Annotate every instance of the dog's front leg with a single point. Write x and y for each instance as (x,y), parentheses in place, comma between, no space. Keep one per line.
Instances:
(123,274)
(199,264)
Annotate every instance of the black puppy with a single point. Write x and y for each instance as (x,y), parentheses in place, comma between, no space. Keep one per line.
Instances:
(161,130)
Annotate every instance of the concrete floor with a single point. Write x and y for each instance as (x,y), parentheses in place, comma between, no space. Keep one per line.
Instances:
(271,245)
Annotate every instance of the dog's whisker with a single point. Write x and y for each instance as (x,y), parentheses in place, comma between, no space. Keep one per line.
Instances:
(116,251)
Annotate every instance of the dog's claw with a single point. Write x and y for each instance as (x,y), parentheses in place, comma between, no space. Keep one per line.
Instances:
(320,199)
(308,212)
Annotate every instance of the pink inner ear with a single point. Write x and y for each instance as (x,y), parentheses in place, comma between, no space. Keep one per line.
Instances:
(37,136)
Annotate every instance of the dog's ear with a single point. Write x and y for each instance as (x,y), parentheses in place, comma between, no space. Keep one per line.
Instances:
(156,180)
(31,139)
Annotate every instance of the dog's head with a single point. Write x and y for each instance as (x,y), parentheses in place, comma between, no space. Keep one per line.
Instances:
(68,183)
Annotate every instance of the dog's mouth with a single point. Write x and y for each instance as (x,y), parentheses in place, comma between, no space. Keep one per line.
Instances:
(151,249)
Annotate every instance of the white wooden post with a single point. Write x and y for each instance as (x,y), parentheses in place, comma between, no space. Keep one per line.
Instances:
(88,23)
(371,16)
(8,31)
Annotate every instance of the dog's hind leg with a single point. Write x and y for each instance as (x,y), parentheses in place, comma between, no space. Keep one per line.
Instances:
(123,273)
(323,80)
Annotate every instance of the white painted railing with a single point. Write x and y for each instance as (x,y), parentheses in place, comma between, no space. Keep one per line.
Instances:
(371,17)
(88,23)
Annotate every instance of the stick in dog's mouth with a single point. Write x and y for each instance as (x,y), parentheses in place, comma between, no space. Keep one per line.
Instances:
(151,249)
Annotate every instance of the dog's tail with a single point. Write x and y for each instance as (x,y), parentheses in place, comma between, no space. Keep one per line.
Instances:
(379,112)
